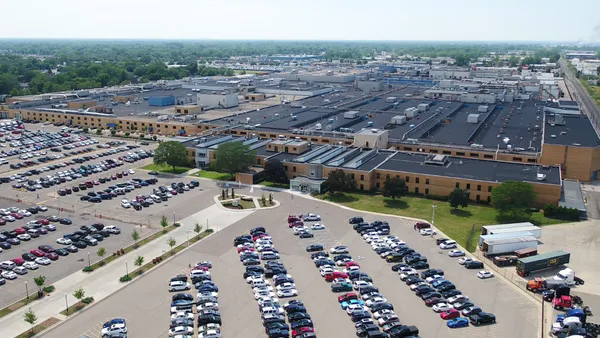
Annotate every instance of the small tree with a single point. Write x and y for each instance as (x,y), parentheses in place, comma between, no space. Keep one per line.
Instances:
(98,131)
(197,229)
(394,187)
(232,193)
(270,199)
(30,318)
(513,199)
(233,157)
(40,281)
(458,198)
(164,223)
(135,235)
(101,253)
(171,241)
(113,132)
(79,294)
(223,194)
(338,182)
(86,129)
(275,171)
(263,200)
(139,261)
(154,137)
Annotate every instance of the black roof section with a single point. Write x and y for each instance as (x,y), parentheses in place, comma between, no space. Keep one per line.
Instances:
(570,130)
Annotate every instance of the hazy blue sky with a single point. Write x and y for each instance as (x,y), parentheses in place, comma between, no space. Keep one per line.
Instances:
(479,20)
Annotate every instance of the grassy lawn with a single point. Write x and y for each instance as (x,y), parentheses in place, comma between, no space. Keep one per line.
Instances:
(213,175)
(456,225)
(275,185)
(166,169)
(594,91)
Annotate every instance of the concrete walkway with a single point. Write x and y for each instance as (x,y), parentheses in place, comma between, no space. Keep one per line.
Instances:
(105,281)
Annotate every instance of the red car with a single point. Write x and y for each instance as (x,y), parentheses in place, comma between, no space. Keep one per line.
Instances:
(450,314)
(43,221)
(347,296)
(53,256)
(244,249)
(296,224)
(292,219)
(257,237)
(96,183)
(20,231)
(336,274)
(2,222)
(17,215)
(18,261)
(349,264)
(301,330)
(38,253)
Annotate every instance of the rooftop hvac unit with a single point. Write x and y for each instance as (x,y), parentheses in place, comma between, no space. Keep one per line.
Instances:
(350,114)
(483,109)
(330,121)
(423,107)
(318,126)
(506,140)
(390,99)
(374,130)
(541,177)
(370,124)
(398,119)
(473,118)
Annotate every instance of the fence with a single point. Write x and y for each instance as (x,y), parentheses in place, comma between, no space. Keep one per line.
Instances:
(469,246)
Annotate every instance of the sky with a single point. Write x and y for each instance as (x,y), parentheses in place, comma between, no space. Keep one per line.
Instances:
(429,20)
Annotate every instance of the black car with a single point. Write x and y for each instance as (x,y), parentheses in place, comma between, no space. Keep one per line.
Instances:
(80,244)
(301,323)
(419,265)
(451,293)
(28,257)
(208,319)
(382,306)
(13,241)
(446,287)
(66,221)
(414,258)
(356,220)
(297,316)
(278,333)
(62,252)
(413,280)
(295,308)
(474,265)
(423,289)
(463,305)
(98,237)
(394,257)
(182,322)
(431,272)
(314,247)
(321,254)
(363,330)
(482,318)
(5,245)
(431,295)
(72,248)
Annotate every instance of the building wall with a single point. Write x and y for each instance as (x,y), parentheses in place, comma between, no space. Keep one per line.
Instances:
(81,104)
(467,153)
(218,100)
(578,163)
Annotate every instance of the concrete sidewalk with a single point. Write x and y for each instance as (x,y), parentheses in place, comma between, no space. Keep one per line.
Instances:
(105,281)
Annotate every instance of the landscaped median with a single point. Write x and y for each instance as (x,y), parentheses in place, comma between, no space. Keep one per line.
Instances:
(151,264)
(39,328)
(24,302)
(455,223)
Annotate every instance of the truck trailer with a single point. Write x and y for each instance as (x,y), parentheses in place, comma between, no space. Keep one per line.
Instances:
(508,245)
(525,266)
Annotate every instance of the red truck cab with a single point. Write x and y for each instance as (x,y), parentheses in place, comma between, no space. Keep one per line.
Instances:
(562,302)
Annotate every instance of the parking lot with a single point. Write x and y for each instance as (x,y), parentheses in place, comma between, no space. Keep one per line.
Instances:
(516,315)
(15,289)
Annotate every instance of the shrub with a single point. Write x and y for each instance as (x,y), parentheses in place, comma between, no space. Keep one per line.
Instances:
(88,269)
(48,289)
(125,278)
(87,300)
(209,231)
(122,251)
(177,224)
(560,212)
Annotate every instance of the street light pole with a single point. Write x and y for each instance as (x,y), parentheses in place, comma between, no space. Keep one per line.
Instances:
(66,304)
(173,217)
(188,246)
(433,206)
(89,264)
(27,290)
(126,269)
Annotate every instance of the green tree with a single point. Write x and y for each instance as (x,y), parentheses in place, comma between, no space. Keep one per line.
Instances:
(113,132)
(233,157)
(339,182)
(135,235)
(458,198)
(101,253)
(513,199)
(275,171)
(79,294)
(40,281)
(171,241)
(197,228)
(30,318)
(98,131)
(394,187)
(164,223)
(172,153)
(139,261)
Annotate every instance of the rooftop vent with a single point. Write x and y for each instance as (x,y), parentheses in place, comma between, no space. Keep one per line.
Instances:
(541,177)
(436,160)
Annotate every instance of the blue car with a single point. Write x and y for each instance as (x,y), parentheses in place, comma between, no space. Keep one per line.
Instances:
(113,322)
(439,282)
(458,322)
(347,303)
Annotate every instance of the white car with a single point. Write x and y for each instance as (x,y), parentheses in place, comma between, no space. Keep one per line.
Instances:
(20,270)
(262,288)
(253,279)
(131,171)
(9,275)
(383,312)
(351,268)
(326,271)
(340,249)
(209,334)
(416,285)
(287,293)
(181,330)
(372,238)
(117,328)
(457,298)
(484,274)
(64,241)
(8,218)
(311,217)
(387,319)
(125,204)
(427,232)
(433,278)
(31,265)
(25,213)
(259,283)
(263,293)
(375,300)
(465,260)
(450,244)
(361,284)
(441,307)
(182,315)
(208,306)
(343,262)
(43,261)
(286,286)
(317,226)
(456,253)
(300,229)
(355,307)
(178,286)
(404,275)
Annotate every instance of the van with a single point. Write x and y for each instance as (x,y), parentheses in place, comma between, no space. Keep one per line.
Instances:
(33,233)
(8,265)
(195,273)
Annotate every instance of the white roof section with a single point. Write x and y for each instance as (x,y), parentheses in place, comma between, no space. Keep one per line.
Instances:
(506,226)
(508,240)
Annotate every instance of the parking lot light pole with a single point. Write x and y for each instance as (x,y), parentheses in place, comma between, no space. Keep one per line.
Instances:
(173,217)
(126,269)
(26,290)
(188,246)
(89,264)
(433,206)
(66,304)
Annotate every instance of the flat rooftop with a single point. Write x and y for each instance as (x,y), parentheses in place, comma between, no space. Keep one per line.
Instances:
(471,169)
(570,130)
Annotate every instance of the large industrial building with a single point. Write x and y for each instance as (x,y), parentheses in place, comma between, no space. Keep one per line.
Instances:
(474,134)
